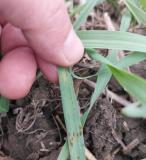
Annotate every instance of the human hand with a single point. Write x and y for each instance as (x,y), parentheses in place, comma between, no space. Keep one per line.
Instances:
(34,33)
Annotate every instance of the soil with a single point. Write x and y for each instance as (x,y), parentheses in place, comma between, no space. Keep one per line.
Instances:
(110,134)
(34,128)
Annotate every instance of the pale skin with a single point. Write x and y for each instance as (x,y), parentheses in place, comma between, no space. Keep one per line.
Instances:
(34,33)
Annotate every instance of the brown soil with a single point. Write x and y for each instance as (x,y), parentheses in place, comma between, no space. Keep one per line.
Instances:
(34,127)
(108,134)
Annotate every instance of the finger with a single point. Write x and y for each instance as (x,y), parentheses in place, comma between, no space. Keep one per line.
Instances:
(17,73)
(48,69)
(18,57)
(2,21)
(13,38)
(47,27)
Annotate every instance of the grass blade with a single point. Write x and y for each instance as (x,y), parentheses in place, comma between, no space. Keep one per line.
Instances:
(102,82)
(71,116)
(125,22)
(4,105)
(127,80)
(104,77)
(135,9)
(64,154)
(113,40)
(135,111)
(76,10)
(143,4)
(127,61)
(131,59)
(85,12)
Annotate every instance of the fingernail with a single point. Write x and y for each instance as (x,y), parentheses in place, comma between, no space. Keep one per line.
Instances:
(73,48)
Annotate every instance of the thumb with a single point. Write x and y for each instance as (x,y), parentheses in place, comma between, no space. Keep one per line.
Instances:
(47,28)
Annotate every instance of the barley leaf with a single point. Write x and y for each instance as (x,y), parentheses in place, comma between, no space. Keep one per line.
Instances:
(135,111)
(105,76)
(113,40)
(135,9)
(126,79)
(64,154)
(85,12)
(143,4)
(131,59)
(4,105)
(133,84)
(72,116)
(125,21)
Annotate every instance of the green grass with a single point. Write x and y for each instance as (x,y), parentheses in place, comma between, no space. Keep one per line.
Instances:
(71,112)
(74,148)
(4,105)
(137,10)
(119,40)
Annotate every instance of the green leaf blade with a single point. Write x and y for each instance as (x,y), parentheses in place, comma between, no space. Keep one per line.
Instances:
(135,9)
(135,111)
(71,116)
(4,105)
(133,84)
(85,12)
(117,40)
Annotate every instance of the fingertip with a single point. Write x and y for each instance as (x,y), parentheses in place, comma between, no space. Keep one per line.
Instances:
(48,69)
(17,73)
(12,37)
(70,52)
(73,49)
